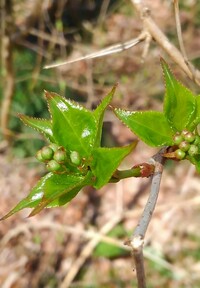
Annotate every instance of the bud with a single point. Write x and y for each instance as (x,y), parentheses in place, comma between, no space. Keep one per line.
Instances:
(193,150)
(53,146)
(184,132)
(75,158)
(60,156)
(189,137)
(39,156)
(47,153)
(184,146)
(53,166)
(177,138)
(179,154)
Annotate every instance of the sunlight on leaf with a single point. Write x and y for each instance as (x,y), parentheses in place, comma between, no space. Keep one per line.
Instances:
(179,103)
(150,126)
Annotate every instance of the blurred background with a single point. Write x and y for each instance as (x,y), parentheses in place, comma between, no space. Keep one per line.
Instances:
(62,247)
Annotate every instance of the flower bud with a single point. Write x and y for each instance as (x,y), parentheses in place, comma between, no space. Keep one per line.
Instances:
(184,146)
(193,150)
(184,132)
(39,156)
(177,138)
(53,146)
(189,137)
(60,156)
(179,154)
(47,153)
(53,166)
(75,158)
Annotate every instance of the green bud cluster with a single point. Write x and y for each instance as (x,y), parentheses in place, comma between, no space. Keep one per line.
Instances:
(57,159)
(188,144)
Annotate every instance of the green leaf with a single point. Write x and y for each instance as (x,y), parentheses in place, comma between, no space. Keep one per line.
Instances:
(106,161)
(150,126)
(179,103)
(51,187)
(197,113)
(99,113)
(41,125)
(73,126)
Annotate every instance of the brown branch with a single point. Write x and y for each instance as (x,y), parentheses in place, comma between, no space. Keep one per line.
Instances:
(163,41)
(7,65)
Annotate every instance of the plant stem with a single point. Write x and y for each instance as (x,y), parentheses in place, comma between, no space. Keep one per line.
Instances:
(137,239)
(139,170)
(122,174)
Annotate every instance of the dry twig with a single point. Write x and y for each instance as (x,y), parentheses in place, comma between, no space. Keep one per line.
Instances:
(163,41)
(7,65)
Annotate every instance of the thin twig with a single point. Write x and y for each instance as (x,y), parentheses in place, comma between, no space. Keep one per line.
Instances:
(163,41)
(179,30)
(180,36)
(7,66)
(155,186)
(137,240)
(104,52)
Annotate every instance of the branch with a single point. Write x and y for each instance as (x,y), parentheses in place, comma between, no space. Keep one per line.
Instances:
(7,66)
(116,48)
(180,37)
(137,240)
(163,41)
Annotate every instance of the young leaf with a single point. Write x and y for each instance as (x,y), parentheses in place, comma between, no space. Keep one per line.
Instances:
(179,103)
(196,120)
(41,125)
(48,189)
(99,113)
(105,162)
(73,126)
(150,126)
(73,184)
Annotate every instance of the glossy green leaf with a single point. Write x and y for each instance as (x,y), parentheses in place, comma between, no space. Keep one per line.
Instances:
(99,113)
(150,126)
(62,200)
(51,187)
(106,161)
(196,120)
(73,126)
(41,125)
(179,103)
